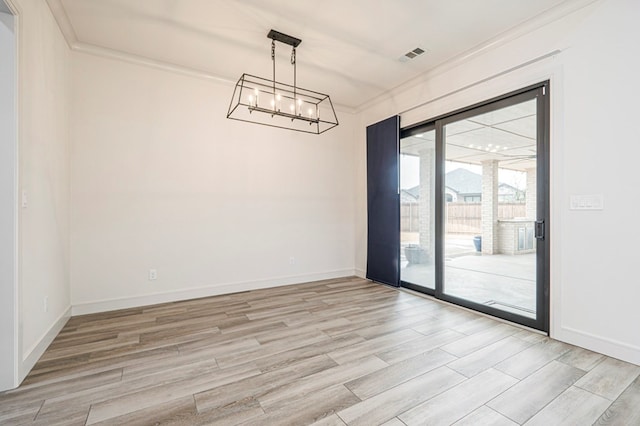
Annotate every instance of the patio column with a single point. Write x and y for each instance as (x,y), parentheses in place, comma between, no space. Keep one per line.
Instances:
(489,206)
(531,196)
(426,207)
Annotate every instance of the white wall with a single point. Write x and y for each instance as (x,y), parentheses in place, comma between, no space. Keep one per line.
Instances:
(43,98)
(8,203)
(161,179)
(600,290)
(595,91)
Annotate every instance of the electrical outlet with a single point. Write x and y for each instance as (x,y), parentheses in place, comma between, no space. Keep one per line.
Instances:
(292,260)
(153,274)
(46,304)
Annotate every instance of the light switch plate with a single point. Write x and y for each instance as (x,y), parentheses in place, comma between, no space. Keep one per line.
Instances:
(587,202)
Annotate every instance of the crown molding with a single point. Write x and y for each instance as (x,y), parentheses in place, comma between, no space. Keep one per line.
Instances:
(104,52)
(538,21)
(60,15)
(13,6)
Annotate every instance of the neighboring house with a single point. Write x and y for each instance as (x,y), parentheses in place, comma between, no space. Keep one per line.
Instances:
(410,196)
(465,186)
(510,194)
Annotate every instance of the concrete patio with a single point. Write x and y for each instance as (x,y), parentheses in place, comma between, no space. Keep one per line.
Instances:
(506,282)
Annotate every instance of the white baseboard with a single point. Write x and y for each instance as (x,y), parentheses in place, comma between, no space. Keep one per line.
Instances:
(198,292)
(361,273)
(604,345)
(31,356)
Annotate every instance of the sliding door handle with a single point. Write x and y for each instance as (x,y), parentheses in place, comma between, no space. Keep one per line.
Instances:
(539,232)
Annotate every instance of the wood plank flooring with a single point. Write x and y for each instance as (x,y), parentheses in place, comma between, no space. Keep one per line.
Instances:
(335,352)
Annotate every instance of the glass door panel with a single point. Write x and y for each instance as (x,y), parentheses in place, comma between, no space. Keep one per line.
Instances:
(417,210)
(489,212)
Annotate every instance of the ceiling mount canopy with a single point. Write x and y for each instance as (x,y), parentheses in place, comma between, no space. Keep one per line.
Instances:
(284,38)
(272,103)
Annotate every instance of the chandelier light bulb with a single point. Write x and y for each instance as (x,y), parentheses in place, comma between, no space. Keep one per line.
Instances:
(300,103)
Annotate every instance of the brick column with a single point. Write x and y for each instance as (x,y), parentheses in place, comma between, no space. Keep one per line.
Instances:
(489,206)
(426,200)
(531,195)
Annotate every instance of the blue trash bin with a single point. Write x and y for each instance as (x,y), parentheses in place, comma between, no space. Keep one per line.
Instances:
(477,241)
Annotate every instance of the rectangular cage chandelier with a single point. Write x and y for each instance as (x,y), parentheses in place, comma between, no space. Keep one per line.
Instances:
(272,103)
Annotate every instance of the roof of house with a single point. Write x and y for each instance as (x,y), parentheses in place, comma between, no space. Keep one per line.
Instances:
(407,196)
(463,181)
(414,192)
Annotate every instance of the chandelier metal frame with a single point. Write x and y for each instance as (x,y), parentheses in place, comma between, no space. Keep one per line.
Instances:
(271,103)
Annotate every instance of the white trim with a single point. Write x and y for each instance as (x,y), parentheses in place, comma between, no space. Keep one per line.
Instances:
(35,352)
(527,27)
(361,273)
(17,27)
(530,72)
(206,291)
(515,68)
(546,17)
(62,19)
(104,52)
(13,323)
(148,62)
(601,344)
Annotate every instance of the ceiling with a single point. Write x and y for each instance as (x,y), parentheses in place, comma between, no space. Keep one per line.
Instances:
(350,49)
(507,135)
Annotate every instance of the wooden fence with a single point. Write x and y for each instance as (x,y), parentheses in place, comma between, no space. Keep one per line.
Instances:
(463,218)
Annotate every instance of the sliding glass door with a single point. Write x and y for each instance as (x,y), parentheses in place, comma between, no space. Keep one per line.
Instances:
(473,205)
(417,210)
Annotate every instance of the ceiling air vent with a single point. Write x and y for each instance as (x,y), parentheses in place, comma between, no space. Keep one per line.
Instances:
(411,54)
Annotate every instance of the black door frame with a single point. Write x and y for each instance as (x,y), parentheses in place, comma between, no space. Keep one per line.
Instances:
(538,91)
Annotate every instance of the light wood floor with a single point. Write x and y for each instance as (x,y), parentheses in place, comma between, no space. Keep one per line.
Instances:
(335,352)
